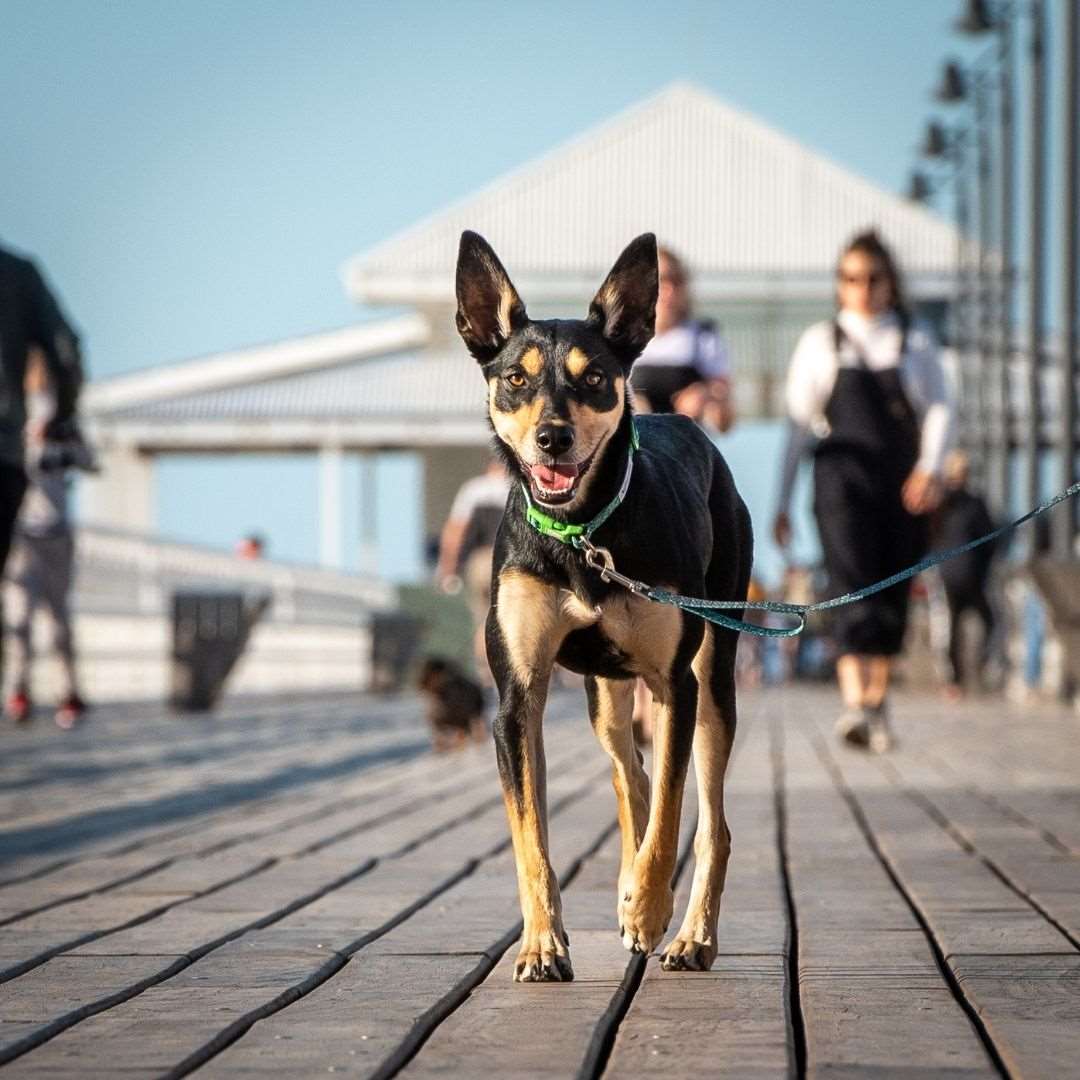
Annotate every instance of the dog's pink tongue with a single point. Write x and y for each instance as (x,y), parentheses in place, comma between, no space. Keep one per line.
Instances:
(555,477)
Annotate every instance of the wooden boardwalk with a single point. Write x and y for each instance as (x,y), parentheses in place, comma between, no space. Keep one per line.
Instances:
(297,888)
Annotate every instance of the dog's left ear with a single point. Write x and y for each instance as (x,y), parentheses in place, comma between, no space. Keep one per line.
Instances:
(624,309)
(489,308)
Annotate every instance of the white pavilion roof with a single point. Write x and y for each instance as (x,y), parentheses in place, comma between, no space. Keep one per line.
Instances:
(747,206)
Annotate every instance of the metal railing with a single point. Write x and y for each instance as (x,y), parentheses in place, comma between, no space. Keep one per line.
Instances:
(122,572)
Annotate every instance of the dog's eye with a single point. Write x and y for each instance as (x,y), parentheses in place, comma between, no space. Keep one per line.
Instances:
(515,379)
(594,378)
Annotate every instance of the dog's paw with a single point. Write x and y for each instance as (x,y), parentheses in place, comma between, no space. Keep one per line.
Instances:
(644,914)
(543,957)
(686,954)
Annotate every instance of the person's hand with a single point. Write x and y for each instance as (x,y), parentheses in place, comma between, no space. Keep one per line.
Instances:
(781,529)
(921,493)
(690,401)
(450,584)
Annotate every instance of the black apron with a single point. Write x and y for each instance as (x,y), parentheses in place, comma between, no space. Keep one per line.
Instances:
(660,384)
(859,470)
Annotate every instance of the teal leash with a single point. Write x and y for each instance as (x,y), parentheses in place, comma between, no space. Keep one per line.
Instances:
(599,558)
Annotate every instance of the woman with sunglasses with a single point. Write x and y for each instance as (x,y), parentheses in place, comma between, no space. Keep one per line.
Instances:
(866,389)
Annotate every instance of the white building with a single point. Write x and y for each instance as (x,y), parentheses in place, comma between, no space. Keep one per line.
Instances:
(758,217)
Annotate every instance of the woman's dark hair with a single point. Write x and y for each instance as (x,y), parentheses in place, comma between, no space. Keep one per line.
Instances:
(870,244)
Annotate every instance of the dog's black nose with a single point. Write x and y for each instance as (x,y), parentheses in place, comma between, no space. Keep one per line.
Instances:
(554,438)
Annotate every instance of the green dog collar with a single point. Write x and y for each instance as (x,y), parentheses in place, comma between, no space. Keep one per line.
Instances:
(566,532)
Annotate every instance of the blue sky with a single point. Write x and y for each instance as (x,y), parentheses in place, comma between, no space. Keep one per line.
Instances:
(192,175)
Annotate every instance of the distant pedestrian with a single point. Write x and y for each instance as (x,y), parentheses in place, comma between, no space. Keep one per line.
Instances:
(467,545)
(963,516)
(42,558)
(29,315)
(251,547)
(685,368)
(867,390)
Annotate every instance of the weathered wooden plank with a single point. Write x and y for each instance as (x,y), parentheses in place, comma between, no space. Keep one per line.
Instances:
(444,947)
(733,1020)
(976,919)
(1031,1007)
(191,922)
(1020,853)
(869,984)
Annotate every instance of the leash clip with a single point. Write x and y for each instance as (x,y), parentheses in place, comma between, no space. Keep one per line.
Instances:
(600,560)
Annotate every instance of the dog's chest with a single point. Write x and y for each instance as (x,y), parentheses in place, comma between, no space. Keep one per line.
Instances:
(646,634)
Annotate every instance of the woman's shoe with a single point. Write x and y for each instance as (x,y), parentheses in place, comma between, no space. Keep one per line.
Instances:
(853,728)
(70,711)
(882,739)
(19,708)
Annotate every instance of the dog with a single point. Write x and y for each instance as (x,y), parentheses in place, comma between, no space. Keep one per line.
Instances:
(455,704)
(562,419)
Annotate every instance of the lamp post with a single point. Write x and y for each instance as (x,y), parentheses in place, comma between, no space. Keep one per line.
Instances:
(979,18)
(1036,268)
(1065,523)
(948,145)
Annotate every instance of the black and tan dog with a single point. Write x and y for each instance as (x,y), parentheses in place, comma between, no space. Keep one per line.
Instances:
(557,397)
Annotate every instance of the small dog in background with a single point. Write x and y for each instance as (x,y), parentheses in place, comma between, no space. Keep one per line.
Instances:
(455,704)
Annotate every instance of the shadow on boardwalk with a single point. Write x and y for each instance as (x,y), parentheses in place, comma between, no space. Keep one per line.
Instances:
(302,889)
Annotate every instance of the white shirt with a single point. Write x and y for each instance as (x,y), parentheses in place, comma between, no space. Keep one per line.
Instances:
(812,376)
(484,490)
(689,343)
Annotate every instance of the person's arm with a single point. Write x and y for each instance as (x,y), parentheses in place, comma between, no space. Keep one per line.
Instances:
(922,489)
(797,445)
(709,400)
(58,342)
(806,394)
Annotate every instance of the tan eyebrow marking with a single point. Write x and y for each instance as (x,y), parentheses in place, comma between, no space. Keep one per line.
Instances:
(532,361)
(576,363)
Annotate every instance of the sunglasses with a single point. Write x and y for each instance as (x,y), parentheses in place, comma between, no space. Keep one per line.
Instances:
(673,280)
(862,279)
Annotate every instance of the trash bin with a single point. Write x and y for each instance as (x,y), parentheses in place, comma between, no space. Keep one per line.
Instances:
(210,630)
(395,638)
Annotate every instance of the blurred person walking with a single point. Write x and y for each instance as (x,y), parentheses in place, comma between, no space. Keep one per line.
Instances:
(467,545)
(29,315)
(867,391)
(42,558)
(963,516)
(685,368)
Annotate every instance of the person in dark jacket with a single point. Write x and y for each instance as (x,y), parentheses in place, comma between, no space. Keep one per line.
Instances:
(963,516)
(29,315)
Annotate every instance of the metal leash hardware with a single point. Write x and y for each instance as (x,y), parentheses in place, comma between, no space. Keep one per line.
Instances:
(600,560)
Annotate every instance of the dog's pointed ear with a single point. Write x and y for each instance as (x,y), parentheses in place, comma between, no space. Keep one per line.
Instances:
(624,309)
(489,308)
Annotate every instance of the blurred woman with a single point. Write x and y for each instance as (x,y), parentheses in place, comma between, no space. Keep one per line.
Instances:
(867,389)
(685,368)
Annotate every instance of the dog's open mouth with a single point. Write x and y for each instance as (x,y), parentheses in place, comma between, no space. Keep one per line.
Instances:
(557,483)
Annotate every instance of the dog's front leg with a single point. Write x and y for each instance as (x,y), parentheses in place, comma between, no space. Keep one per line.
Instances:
(646,900)
(611,704)
(522,639)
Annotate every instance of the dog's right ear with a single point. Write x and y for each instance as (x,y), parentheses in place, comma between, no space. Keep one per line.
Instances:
(489,308)
(624,308)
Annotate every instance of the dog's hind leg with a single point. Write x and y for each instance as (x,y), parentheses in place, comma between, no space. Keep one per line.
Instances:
(522,637)
(645,897)
(611,703)
(694,947)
